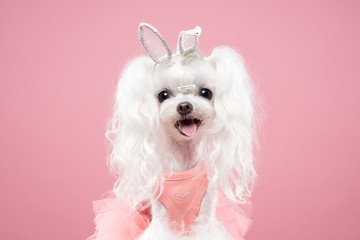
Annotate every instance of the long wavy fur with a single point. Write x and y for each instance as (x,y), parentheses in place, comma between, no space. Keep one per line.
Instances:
(234,125)
(134,130)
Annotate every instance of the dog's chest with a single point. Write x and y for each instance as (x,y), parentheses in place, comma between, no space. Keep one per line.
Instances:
(182,196)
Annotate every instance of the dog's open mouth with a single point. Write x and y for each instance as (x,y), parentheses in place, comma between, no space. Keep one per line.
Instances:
(187,127)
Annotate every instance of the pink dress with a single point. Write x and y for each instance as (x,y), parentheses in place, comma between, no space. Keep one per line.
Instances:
(181,197)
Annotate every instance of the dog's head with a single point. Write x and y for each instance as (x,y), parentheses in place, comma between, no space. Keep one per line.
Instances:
(184,89)
(204,101)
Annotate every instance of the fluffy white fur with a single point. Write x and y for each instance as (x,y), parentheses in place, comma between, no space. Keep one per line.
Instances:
(145,143)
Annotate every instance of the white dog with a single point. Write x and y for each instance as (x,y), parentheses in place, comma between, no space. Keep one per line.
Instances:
(182,144)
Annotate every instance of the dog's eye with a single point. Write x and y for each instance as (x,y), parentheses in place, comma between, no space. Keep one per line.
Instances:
(206,93)
(162,96)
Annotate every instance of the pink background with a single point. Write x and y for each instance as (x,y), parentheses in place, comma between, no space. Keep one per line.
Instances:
(59,63)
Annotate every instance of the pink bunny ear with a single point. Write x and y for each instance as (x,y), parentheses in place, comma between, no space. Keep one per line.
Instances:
(154,44)
(188,40)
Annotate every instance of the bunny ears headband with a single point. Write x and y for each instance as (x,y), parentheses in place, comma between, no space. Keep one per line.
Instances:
(157,48)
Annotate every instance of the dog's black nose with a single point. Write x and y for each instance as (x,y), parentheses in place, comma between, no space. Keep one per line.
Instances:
(184,108)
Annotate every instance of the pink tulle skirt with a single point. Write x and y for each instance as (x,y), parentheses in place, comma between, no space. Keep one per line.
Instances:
(114,220)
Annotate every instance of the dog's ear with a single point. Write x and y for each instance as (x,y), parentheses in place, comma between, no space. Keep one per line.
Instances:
(153,43)
(188,40)
(233,124)
(132,132)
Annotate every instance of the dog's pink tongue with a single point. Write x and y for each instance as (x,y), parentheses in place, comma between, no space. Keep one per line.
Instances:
(189,129)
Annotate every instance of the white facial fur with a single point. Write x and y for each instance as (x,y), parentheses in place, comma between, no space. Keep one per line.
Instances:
(191,74)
